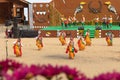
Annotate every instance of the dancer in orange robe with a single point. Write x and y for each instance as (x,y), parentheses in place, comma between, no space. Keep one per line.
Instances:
(87,38)
(109,38)
(39,42)
(81,43)
(71,49)
(17,48)
(62,37)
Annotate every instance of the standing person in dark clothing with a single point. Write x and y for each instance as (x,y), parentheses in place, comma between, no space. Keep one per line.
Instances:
(6,33)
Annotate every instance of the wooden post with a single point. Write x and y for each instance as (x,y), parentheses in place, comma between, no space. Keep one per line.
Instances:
(22,13)
(14,10)
(6,49)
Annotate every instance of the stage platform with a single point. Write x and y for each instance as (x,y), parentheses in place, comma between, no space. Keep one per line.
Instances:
(53,31)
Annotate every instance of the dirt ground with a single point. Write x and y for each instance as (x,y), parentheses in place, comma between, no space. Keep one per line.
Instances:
(95,59)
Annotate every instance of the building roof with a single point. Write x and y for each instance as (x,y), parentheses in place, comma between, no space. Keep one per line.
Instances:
(39,1)
(24,1)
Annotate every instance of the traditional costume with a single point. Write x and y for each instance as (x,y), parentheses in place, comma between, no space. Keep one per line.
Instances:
(17,48)
(69,21)
(87,38)
(71,49)
(104,21)
(39,43)
(62,37)
(66,23)
(96,21)
(81,43)
(109,37)
(110,20)
(83,20)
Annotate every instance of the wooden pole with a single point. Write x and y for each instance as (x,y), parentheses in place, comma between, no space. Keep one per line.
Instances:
(14,10)
(6,49)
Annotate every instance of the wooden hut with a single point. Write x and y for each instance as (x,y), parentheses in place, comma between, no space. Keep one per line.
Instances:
(12,8)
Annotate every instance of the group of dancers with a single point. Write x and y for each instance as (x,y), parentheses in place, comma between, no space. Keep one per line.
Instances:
(68,22)
(17,47)
(70,49)
(82,42)
(105,21)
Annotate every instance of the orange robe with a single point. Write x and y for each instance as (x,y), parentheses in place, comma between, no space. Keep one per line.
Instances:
(87,39)
(72,50)
(81,45)
(17,49)
(109,42)
(39,44)
(62,39)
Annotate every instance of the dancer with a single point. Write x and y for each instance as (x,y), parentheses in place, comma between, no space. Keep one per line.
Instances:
(62,22)
(74,20)
(96,21)
(104,21)
(110,20)
(66,23)
(109,38)
(69,21)
(39,42)
(62,37)
(87,38)
(83,20)
(81,43)
(17,48)
(71,49)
